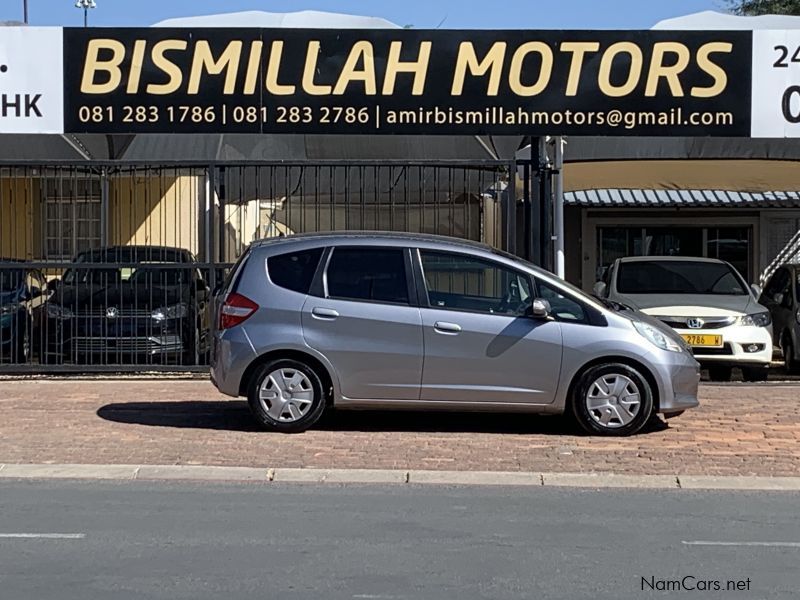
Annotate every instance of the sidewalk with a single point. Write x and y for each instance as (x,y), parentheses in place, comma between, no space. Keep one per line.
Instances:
(739,430)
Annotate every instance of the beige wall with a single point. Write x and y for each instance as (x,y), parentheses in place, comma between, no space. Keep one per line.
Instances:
(161,211)
(734,175)
(19,207)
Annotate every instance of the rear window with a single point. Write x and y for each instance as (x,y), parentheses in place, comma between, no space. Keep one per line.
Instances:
(295,270)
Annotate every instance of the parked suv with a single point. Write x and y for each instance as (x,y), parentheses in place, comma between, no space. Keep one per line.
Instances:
(368,320)
(782,297)
(139,304)
(706,301)
(22,293)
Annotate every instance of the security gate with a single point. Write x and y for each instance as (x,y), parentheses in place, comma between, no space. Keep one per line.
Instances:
(112,267)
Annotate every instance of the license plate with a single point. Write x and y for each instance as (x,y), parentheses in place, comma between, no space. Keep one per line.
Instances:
(703,341)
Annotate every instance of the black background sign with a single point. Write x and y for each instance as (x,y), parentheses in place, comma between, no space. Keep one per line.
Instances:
(658,83)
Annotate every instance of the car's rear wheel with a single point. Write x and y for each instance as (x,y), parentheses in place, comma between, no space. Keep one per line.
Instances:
(789,360)
(612,399)
(286,396)
(720,373)
(751,374)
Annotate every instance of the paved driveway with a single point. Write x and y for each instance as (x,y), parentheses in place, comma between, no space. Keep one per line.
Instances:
(739,430)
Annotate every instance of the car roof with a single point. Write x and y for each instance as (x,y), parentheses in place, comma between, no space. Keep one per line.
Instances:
(631,259)
(388,237)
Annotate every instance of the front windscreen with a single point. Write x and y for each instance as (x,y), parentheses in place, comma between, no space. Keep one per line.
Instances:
(679,277)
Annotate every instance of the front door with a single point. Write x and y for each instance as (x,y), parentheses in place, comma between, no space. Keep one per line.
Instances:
(480,347)
(366,325)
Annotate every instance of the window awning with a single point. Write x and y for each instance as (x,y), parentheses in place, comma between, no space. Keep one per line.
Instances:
(623,198)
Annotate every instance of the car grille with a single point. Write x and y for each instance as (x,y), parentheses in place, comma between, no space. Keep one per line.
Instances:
(708,322)
(126,345)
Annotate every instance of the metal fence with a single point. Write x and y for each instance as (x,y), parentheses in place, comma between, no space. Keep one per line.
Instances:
(111,267)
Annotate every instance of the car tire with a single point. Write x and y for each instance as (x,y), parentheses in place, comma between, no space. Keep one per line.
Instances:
(755,374)
(610,383)
(275,402)
(22,351)
(790,362)
(720,373)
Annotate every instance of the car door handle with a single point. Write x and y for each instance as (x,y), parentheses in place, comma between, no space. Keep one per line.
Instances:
(327,314)
(448,328)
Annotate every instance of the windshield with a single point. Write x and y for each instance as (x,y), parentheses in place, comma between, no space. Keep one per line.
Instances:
(679,277)
(146,276)
(10,280)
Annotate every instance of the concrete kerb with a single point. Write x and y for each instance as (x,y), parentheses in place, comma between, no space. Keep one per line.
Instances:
(394,477)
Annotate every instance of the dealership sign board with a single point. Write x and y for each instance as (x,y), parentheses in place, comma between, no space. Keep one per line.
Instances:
(387,81)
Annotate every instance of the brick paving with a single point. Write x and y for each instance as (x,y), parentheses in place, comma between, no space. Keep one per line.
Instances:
(739,430)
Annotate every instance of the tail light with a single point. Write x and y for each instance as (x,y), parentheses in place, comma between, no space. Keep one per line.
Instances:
(235,310)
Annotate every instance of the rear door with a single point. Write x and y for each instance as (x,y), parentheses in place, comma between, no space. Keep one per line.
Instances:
(367,324)
(479,344)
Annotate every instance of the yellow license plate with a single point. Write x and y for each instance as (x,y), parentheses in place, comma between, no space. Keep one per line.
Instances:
(703,341)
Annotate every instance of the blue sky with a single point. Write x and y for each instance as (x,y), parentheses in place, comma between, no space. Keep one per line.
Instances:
(491,14)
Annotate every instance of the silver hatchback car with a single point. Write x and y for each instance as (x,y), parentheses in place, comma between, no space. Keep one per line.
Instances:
(382,320)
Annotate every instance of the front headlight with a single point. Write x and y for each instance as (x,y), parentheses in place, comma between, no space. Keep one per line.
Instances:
(756,320)
(176,311)
(657,337)
(7,309)
(56,311)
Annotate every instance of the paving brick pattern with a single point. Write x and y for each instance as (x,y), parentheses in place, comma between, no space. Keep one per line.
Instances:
(739,430)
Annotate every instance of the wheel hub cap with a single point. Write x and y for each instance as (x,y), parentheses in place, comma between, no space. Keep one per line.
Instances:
(286,394)
(613,400)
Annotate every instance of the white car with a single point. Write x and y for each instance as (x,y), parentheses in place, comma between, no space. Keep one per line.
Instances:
(706,301)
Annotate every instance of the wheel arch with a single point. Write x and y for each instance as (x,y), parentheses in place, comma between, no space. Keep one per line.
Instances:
(312,361)
(616,359)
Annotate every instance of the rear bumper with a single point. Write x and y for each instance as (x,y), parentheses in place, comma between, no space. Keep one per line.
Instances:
(231,354)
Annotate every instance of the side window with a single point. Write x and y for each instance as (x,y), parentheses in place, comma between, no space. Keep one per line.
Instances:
(461,282)
(295,270)
(777,284)
(562,307)
(377,274)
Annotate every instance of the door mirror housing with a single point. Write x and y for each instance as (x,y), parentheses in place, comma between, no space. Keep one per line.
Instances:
(600,288)
(756,289)
(539,309)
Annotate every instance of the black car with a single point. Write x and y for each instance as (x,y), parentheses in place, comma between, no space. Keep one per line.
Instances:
(22,293)
(782,297)
(128,304)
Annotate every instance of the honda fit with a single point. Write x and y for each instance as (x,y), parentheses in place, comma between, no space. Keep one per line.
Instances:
(382,321)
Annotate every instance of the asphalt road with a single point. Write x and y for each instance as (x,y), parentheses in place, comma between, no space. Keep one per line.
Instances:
(197,541)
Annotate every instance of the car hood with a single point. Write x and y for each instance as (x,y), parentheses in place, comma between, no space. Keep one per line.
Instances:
(95,297)
(692,305)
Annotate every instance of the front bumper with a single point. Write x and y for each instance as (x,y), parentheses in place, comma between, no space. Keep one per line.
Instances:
(741,346)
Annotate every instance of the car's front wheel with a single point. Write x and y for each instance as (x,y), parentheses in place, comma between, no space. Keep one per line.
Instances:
(612,399)
(286,395)
(790,362)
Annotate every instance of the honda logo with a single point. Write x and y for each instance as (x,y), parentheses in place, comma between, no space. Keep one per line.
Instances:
(112,312)
(695,323)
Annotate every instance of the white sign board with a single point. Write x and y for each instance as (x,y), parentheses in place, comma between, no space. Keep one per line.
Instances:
(776,84)
(31,80)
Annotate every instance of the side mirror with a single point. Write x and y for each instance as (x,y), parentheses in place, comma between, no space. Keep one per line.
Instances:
(600,288)
(756,289)
(539,309)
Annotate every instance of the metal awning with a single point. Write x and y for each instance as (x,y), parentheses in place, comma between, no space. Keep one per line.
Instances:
(612,198)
